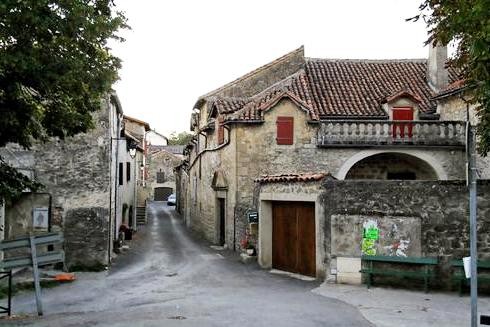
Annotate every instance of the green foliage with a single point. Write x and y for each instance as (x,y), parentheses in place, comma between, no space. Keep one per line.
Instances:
(12,182)
(55,66)
(179,139)
(466,24)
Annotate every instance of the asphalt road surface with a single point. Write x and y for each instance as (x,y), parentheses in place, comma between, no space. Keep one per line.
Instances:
(170,278)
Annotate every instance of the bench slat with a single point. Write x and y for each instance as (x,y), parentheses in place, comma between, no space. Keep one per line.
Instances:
(485,264)
(408,260)
(399,273)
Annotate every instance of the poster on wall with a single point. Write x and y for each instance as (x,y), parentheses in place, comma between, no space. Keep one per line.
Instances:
(40,218)
(370,234)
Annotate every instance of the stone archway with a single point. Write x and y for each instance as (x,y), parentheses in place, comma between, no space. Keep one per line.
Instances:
(380,164)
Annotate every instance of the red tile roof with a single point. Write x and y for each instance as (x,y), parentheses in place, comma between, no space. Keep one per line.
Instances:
(331,88)
(455,87)
(302,177)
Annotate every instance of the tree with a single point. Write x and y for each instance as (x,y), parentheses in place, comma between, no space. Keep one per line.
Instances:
(181,138)
(55,66)
(466,24)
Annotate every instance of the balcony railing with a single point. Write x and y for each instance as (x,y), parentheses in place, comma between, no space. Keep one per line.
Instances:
(350,133)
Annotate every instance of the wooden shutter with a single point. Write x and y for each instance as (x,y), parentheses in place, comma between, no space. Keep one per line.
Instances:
(403,130)
(121,173)
(221,131)
(285,133)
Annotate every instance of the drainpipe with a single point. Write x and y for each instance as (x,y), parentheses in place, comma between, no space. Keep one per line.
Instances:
(110,205)
(116,181)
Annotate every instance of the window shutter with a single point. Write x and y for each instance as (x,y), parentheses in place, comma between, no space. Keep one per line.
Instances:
(121,173)
(285,127)
(221,131)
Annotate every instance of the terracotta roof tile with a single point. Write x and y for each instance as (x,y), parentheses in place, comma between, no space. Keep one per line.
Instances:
(328,88)
(452,88)
(301,177)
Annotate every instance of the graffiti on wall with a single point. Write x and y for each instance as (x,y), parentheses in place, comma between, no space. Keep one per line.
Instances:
(355,235)
(370,236)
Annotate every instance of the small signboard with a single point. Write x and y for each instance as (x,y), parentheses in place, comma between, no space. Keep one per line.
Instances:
(253,216)
(40,218)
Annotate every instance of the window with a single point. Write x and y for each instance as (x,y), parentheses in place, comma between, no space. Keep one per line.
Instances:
(285,130)
(121,173)
(160,177)
(221,131)
(128,171)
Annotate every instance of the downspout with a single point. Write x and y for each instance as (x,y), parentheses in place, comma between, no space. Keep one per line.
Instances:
(236,190)
(211,150)
(116,179)
(110,205)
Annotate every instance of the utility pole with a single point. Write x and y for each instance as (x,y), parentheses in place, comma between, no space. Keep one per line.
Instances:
(472,178)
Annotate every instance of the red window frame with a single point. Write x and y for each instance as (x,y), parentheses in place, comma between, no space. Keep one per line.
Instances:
(285,130)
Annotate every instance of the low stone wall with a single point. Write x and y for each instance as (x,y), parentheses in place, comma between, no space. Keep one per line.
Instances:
(419,218)
(86,238)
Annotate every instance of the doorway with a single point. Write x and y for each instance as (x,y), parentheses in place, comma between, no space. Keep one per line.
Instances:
(293,237)
(222,222)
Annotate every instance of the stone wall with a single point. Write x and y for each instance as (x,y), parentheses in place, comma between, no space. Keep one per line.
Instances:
(77,173)
(19,217)
(440,208)
(388,166)
(86,238)
(165,162)
(252,151)
(454,108)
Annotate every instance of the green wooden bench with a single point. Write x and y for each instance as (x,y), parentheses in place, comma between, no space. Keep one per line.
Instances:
(459,277)
(426,273)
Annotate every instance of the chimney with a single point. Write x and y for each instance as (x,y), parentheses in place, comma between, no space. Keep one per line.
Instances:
(437,74)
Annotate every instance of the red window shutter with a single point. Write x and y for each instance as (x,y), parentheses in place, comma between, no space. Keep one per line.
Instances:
(402,113)
(221,131)
(285,129)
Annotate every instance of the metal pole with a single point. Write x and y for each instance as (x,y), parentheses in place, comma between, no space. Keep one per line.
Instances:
(35,272)
(473,226)
(10,294)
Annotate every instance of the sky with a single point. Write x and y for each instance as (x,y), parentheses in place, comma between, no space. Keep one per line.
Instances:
(179,50)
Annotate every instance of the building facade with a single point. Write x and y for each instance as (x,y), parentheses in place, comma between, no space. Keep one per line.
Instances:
(87,180)
(302,117)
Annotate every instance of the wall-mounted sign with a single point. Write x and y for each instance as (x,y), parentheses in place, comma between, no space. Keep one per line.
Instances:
(253,216)
(40,218)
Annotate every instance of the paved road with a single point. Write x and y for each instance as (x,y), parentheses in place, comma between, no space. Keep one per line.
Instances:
(170,279)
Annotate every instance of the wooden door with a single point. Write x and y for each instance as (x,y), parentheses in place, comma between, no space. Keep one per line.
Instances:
(293,237)
(402,128)
(222,222)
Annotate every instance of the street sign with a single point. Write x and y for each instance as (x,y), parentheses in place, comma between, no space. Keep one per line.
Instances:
(40,218)
(253,216)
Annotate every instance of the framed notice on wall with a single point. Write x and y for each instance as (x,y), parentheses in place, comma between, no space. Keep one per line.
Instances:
(253,216)
(40,218)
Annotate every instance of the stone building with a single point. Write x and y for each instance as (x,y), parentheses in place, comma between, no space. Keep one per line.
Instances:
(161,178)
(138,131)
(88,188)
(300,121)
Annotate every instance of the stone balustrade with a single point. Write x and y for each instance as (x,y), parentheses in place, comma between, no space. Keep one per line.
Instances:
(355,133)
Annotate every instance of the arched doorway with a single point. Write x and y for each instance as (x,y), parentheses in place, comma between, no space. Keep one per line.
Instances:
(392,166)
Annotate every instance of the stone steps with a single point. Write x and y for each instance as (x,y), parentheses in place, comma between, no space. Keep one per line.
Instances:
(141,215)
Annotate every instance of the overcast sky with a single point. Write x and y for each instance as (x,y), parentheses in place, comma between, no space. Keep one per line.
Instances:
(178,50)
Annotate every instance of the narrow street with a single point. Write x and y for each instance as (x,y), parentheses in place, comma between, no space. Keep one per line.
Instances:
(169,279)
